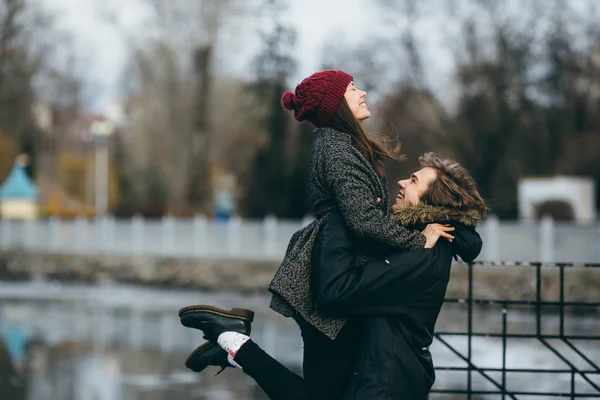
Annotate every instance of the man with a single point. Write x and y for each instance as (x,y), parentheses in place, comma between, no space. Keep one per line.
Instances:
(391,303)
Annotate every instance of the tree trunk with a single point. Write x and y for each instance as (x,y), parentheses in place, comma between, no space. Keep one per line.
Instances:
(199,183)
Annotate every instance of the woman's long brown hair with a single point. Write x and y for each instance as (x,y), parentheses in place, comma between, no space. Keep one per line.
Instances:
(374,147)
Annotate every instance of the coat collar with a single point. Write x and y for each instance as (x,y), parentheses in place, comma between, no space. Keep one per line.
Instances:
(332,132)
(425,214)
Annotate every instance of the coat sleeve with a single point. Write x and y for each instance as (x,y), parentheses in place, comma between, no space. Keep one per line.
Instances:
(467,242)
(341,289)
(357,202)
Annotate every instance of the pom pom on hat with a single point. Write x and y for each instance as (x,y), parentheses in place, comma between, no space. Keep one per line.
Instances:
(287,101)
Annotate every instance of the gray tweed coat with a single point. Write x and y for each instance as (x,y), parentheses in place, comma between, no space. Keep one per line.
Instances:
(340,178)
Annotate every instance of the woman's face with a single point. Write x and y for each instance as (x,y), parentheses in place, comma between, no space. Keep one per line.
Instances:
(356,100)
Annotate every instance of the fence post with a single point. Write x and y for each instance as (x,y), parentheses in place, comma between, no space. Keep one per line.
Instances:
(546,249)
(80,229)
(492,238)
(99,234)
(270,235)
(167,234)
(29,234)
(112,230)
(234,235)
(199,236)
(137,234)
(105,233)
(5,233)
(55,233)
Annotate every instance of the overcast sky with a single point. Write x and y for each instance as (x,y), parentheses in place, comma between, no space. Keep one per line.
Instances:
(101,51)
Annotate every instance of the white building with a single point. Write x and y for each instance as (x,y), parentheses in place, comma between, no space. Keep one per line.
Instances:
(579,192)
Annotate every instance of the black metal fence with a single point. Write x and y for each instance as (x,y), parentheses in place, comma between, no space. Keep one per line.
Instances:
(579,376)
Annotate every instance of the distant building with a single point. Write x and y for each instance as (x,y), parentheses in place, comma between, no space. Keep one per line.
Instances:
(117,111)
(42,113)
(19,198)
(578,192)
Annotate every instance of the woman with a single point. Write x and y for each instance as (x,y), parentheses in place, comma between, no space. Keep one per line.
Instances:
(346,175)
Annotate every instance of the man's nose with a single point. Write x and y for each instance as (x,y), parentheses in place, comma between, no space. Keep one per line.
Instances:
(402,183)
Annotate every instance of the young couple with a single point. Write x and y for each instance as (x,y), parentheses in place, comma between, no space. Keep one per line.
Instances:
(365,284)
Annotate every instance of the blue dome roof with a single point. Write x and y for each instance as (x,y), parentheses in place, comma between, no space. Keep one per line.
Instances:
(18,185)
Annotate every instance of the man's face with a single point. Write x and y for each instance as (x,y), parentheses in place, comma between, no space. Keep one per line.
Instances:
(410,190)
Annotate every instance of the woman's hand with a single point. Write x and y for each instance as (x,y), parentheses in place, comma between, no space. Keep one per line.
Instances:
(433,232)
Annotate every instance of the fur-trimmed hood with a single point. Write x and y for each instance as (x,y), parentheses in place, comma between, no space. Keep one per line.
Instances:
(425,214)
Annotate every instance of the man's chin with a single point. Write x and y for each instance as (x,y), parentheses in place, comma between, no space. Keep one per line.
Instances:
(398,206)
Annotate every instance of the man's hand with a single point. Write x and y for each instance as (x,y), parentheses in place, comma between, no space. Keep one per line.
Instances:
(433,232)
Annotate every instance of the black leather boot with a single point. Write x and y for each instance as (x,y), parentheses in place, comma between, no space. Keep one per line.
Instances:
(213,321)
(206,355)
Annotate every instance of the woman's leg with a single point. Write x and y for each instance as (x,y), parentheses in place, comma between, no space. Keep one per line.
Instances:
(278,382)
(234,347)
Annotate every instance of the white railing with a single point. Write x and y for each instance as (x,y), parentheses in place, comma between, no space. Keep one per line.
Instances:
(268,239)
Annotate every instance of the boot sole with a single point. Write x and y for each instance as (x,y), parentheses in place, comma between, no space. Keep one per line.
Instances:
(199,350)
(238,313)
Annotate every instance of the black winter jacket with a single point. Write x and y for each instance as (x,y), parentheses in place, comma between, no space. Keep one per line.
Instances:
(392,303)
(341,180)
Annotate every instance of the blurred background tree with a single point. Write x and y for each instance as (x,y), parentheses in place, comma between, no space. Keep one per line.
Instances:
(266,187)
(510,89)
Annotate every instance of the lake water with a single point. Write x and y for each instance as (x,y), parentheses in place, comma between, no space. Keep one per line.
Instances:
(126,343)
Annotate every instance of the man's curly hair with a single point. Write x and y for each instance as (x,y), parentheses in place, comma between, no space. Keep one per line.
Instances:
(454,186)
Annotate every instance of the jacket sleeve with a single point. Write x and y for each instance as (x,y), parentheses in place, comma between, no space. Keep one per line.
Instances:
(467,242)
(341,289)
(347,177)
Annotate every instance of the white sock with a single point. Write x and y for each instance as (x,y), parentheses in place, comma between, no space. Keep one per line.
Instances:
(232,361)
(231,342)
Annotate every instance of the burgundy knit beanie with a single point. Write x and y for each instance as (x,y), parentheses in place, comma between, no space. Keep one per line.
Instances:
(317,97)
